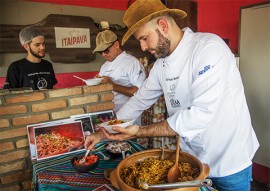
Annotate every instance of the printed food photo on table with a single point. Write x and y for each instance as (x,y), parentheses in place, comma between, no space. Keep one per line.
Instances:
(101,117)
(56,139)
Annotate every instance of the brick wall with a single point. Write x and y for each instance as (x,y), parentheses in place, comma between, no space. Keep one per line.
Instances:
(21,108)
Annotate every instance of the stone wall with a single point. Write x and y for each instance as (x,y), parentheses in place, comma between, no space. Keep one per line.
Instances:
(23,107)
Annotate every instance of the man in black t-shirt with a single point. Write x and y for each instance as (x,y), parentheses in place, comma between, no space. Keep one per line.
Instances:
(32,71)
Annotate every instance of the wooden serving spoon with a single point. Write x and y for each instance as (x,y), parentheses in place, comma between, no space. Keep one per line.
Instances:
(174,172)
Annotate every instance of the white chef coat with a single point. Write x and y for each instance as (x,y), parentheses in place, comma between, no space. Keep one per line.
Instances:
(205,100)
(125,70)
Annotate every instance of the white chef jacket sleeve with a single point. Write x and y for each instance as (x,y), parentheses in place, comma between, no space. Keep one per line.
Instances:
(145,97)
(136,73)
(206,89)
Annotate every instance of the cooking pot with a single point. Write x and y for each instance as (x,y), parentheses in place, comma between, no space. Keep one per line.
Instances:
(156,153)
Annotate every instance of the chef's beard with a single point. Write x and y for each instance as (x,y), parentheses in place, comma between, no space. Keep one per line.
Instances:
(163,46)
(36,54)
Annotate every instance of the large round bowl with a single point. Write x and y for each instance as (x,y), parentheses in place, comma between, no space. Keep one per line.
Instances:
(168,154)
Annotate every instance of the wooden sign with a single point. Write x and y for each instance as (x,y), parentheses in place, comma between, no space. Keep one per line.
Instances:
(72,37)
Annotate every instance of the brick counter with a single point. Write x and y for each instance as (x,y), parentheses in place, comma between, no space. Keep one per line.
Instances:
(21,108)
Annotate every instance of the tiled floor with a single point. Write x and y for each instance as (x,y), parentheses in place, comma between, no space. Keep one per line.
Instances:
(257,186)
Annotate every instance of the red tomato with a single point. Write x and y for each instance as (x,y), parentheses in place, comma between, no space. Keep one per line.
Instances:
(89,160)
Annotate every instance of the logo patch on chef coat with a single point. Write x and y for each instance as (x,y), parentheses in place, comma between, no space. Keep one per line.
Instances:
(205,69)
(175,103)
(172,87)
(140,72)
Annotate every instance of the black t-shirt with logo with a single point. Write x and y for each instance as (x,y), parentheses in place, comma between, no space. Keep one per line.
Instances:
(23,73)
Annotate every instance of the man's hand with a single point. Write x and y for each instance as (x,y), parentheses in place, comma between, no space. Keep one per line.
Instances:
(106,79)
(98,76)
(124,133)
(93,139)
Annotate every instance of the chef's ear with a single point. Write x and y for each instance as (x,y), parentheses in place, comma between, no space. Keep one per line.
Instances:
(163,25)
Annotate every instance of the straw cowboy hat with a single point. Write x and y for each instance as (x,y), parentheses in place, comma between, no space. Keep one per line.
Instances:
(142,11)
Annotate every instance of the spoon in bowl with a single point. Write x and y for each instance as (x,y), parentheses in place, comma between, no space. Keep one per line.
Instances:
(83,160)
(174,172)
(104,156)
(162,147)
(123,153)
(79,78)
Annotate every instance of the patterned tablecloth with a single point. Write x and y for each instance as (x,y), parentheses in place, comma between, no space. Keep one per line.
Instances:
(57,174)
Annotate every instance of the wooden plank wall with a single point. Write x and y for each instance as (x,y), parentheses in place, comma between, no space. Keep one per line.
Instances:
(190,7)
(9,42)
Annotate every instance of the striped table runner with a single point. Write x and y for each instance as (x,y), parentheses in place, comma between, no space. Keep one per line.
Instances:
(57,174)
